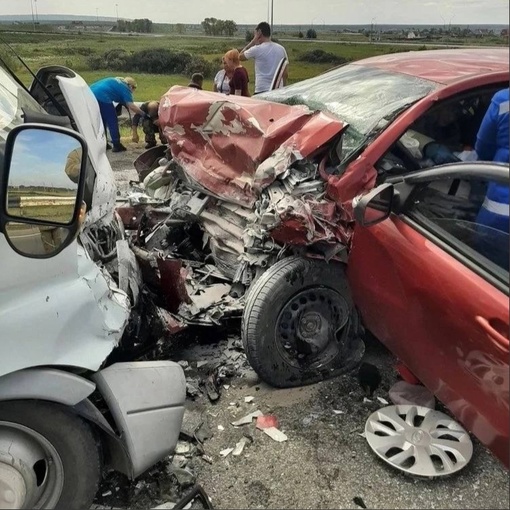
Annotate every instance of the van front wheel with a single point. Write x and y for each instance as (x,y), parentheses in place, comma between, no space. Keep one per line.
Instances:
(49,457)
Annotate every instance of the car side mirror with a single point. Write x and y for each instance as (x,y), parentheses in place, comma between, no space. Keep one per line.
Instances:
(42,189)
(375,206)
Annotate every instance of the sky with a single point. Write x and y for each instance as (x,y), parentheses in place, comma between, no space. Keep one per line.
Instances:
(306,12)
(39,159)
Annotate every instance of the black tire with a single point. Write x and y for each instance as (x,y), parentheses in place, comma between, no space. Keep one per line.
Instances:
(73,441)
(291,282)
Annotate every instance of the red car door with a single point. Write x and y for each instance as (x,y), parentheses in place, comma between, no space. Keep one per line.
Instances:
(425,290)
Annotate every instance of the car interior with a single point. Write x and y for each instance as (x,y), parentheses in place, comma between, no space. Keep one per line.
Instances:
(445,134)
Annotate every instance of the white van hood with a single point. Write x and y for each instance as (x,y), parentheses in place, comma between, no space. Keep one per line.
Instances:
(85,111)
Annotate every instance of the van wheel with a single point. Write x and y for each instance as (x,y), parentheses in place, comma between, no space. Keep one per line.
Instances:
(49,458)
(300,325)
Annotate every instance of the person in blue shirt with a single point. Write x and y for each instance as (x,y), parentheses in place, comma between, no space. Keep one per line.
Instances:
(115,90)
(492,144)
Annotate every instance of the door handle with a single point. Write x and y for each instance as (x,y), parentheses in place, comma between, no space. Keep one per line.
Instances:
(500,340)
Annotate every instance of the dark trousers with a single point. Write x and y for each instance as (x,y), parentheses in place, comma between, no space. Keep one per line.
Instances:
(109,116)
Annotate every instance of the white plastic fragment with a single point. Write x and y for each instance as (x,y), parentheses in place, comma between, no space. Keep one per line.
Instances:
(337,412)
(275,434)
(226,452)
(247,419)
(383,401)
(249,399)
(240,446)
(221,427)
(366,400)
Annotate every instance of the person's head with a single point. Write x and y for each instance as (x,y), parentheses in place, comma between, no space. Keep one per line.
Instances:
(130,82)
(231,60)
(197,79)
(152,108)
(263,30)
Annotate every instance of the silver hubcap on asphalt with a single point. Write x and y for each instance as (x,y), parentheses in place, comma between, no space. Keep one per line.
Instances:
(418,440)
(31,471)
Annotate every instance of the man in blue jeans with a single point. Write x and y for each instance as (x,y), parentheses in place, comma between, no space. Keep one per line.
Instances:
(115,90)
(492,144)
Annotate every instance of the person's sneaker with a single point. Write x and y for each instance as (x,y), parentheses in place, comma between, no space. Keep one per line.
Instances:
(119,148)
(108,146)
(150,145)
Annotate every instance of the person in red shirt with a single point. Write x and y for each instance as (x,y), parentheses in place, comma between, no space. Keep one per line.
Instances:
(240,79)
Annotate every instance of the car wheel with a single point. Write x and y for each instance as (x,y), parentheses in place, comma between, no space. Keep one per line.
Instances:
(300,325)
(49,458)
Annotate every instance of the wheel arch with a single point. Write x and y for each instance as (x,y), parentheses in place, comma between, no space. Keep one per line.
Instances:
(71,392)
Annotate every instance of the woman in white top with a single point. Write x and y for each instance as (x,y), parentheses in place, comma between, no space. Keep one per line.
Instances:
(222,80)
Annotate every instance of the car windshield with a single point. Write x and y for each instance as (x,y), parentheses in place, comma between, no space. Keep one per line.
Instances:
(364,97)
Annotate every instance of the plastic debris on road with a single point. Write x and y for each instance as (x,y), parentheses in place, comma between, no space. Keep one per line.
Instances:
(267,421)
(275,434)
(404,393)
(226,452)
(247,419)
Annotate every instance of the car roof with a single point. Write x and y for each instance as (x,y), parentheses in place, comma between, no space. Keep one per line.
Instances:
(443,66)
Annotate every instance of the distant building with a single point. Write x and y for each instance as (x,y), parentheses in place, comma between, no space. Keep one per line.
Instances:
(411,35)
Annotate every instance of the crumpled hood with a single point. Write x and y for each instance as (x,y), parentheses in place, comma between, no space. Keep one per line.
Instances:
(236,146)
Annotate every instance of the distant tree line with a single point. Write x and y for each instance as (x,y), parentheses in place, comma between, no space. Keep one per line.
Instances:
(143,26)
(213,26)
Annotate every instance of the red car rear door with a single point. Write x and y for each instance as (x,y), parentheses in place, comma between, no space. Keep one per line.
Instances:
(426,290)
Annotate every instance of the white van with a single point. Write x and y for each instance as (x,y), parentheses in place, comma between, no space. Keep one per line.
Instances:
(65,412)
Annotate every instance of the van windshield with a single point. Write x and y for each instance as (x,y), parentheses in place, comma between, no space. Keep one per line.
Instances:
(13,100)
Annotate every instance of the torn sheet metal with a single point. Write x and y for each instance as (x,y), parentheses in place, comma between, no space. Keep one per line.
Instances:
(235,147)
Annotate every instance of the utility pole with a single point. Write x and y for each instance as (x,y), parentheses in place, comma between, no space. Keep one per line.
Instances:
(36,13)
(117,10)
(32,9)
(97,15)
(272,15)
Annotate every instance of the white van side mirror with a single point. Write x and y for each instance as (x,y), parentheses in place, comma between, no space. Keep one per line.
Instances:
(42,188)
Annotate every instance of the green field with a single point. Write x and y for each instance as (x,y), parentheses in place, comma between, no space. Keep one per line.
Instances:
(73,50)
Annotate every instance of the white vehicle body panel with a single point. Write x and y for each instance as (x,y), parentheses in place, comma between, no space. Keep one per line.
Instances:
(57,311)
(85,110)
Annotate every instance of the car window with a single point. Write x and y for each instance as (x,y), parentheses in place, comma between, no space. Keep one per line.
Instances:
(364,97)
(444,134)
(451,209)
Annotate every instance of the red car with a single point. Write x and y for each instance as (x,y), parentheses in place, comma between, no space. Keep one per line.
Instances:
(257,203)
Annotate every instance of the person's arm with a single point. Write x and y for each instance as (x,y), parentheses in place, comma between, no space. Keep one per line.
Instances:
(245,53)
(134,127)
(486,145)
(137,110)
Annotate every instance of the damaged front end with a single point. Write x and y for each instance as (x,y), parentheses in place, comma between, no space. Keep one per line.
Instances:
(239,188)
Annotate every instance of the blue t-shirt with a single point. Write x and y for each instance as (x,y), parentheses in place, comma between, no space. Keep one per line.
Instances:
(112,90)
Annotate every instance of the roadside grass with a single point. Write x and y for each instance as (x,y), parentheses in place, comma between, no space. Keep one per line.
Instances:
(73,50)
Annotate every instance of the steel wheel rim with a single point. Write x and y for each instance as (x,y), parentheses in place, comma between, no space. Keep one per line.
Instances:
(38,466)
(418,441)
(311,327)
